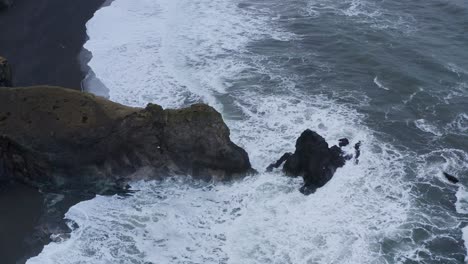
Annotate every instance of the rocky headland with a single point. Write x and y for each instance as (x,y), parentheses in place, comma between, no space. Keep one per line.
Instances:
(55,138)
(60,146)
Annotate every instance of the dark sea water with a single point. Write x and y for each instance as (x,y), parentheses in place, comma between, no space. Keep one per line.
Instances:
(392,74)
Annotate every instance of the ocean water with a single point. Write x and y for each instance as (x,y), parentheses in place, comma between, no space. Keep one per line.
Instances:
(392,74)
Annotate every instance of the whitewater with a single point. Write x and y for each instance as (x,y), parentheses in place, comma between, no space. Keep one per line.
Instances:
(254,62)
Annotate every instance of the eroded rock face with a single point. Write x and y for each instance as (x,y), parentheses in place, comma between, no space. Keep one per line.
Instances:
(5,71)
(313,160)
(55,137)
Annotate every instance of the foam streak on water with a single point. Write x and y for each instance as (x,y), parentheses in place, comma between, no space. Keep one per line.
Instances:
(176,52)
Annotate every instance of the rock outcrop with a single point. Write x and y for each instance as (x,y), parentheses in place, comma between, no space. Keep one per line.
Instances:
(54,137)
(313,160)
(5,72)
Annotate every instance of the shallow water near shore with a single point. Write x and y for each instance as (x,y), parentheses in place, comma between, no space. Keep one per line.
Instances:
(392,74)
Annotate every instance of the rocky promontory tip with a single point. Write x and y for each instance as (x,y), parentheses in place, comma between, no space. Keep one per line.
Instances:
(55,137)
(5,73)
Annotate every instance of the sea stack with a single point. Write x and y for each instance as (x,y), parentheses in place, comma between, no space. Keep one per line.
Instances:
(313,160)
(53,137)
(5,71)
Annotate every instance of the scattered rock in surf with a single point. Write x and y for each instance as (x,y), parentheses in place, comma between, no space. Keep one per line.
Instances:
(343,142)
(451,178)
(5,73)
(357,150)
(313,160)
(45,141)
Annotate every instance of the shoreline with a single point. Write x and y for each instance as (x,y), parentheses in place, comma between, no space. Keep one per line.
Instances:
(43,42)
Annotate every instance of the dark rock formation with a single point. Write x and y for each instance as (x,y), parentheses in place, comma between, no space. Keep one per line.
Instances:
(278,163)
(343,142)
(5,4)
(313,160)
(5,72)
(451,178)
(357,150)
(55,137)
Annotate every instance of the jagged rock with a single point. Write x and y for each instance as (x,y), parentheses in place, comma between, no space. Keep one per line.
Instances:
(451,178)
(5,4)
(343,142)
(5,71)
(278,163)
(55,137)
(313,160)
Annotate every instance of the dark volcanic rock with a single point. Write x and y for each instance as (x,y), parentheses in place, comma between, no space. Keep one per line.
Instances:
(451,178)
(313,160)
(5,72)
(55,137)
(343,142)
(278,163)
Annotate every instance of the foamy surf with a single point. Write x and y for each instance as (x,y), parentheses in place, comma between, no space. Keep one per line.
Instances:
(379,84)
(177,52)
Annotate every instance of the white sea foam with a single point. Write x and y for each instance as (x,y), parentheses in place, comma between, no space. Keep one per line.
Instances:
(363,11)
(462,207)
(456,69)
(427,127)
(379,84)
(411,97)
(172,45)
(174,52)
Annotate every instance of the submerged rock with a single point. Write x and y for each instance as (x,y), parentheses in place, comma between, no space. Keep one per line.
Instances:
(5,72)
(55,137)
(313,160)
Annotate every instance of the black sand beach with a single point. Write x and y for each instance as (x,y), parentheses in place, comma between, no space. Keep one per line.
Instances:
(42,39)
(20,210)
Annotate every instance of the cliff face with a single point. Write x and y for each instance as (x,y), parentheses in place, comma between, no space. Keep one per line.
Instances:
(55,137)
(5,72)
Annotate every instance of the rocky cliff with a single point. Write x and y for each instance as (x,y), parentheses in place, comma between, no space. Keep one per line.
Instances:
(54,137)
